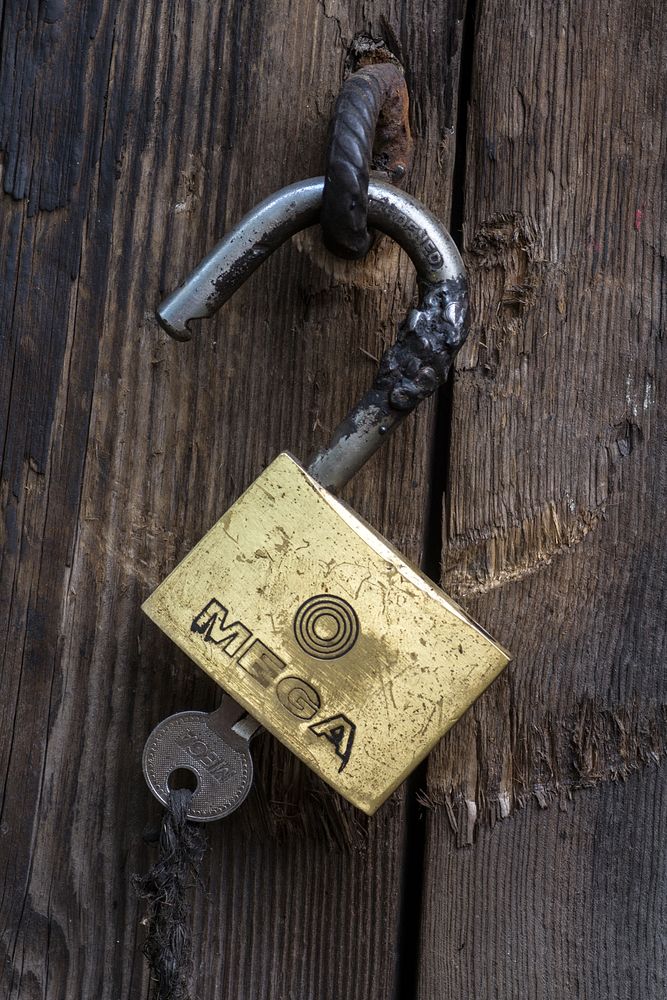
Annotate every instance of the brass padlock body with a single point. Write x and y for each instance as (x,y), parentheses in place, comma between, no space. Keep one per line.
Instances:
(319,627)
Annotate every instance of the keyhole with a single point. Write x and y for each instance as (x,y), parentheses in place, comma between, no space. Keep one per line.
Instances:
(182,777)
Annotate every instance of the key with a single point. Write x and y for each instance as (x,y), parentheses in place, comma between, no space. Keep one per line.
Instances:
(214,747)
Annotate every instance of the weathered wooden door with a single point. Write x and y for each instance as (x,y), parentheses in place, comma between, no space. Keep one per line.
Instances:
(527,858)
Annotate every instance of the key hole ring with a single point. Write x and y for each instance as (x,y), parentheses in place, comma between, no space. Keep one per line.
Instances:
(183,778)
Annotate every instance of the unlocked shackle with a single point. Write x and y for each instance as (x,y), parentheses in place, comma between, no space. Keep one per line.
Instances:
(428,338)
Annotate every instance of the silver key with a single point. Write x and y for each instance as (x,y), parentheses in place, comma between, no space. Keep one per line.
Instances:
(215,747)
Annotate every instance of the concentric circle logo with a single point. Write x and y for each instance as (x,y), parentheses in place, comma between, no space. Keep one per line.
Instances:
(326,626)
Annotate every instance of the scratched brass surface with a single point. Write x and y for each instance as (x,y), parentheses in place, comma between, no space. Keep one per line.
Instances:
(320,629)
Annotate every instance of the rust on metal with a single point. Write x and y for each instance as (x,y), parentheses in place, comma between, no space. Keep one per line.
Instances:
(370,129)
(393,146)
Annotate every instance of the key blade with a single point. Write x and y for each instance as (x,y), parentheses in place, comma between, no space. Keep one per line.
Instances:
(229,715)
(247,727)
(225,716)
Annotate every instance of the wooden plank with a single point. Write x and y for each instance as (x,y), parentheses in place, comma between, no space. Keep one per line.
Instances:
(132,135)
(556,506)
(553,903)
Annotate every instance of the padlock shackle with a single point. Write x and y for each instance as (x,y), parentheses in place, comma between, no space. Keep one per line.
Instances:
(271,223)
(428,339)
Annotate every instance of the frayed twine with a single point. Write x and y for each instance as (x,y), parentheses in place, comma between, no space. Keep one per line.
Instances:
(168,945)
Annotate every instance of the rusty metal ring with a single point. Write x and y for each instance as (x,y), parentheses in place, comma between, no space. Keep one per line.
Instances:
(369,128)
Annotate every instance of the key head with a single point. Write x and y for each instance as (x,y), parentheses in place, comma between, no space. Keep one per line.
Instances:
(220,762)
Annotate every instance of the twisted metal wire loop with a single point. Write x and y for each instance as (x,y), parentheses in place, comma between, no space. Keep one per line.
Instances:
(369,128)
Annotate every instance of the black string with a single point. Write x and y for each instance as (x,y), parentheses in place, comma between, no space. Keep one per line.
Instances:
(168,945)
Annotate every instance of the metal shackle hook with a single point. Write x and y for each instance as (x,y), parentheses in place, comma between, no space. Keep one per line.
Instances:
(428,339)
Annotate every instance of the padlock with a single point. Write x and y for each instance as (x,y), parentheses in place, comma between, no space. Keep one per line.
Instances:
(300,610)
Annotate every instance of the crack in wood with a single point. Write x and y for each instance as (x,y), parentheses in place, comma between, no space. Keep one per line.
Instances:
(554,757)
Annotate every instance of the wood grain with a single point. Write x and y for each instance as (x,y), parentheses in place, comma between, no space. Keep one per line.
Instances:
(555,522)
(553,903)
(132,136)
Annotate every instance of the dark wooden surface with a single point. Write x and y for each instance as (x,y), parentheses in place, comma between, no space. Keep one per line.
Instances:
(131,137)
(555,524)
